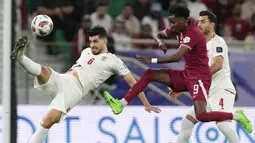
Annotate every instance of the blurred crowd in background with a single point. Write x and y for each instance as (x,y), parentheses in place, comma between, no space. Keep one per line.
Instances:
(127,19)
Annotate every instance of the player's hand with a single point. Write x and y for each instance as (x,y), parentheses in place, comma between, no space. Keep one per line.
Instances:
(150,108)
(144,59)
(174,95)
(163,47)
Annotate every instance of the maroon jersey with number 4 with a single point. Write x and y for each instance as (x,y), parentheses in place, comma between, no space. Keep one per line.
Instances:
(196,60)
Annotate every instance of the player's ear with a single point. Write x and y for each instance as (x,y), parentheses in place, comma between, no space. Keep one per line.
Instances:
(105,40)
(212,25)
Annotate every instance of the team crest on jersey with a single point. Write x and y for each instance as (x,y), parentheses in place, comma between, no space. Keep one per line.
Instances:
(186,40)
(219,49)
(103,58)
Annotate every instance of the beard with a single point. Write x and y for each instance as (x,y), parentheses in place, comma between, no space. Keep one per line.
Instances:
(96,50)
(206,32)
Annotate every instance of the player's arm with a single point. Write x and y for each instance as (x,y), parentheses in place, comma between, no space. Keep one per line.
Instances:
(131,82)
(122,70)
(165,33)
(217,64)
(158,35)
(169,59)
(219,51)
(176,57)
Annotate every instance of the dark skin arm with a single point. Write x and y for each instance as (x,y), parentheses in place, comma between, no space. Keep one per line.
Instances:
(169,59)
(161,44)
(217,64)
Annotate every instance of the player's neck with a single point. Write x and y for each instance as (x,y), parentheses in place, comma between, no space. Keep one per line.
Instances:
(105,50)
(209,36)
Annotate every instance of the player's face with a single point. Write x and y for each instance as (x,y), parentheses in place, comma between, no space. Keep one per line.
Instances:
(97,44)
(177,23)
(204,24)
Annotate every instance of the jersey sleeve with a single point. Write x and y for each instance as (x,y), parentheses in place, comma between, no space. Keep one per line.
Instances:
(167,32)
(219,49)
(81,56)
(120,68)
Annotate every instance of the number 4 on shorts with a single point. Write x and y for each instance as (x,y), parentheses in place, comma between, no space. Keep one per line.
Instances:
(221,103)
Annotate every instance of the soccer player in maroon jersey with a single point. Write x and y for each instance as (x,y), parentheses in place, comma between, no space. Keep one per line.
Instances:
(195,78)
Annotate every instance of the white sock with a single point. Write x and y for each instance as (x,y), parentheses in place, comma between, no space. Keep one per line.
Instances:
(186,131)
(124,102)
(39,135)
(30,66)
(229,133)
(235,116)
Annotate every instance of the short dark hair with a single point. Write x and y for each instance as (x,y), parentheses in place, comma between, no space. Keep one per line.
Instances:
(212,17)
(97,30)
(179,11)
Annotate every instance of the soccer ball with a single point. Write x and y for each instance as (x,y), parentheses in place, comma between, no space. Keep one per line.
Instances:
(41,25)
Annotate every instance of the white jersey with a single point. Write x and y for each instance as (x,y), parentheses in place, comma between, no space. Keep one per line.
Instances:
(93,70)
(222,79)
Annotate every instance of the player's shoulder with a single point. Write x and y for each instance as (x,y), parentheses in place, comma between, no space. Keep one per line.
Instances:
(219,40)
(113,60)
(86,50)
(112,56)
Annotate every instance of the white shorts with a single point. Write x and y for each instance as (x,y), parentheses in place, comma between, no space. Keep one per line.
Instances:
(65,89)
(222,100)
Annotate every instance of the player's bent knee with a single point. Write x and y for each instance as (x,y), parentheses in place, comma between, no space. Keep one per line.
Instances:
(48,122)
(191,118)
(45,75)
(46,71)
(51,118)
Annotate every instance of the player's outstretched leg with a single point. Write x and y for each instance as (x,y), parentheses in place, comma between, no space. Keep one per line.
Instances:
(161,76)
(242,119)
(228,131)
(115,104)
(190,120)
(187,126)
(18,54)
(52,117)
(41,72)
(239,116)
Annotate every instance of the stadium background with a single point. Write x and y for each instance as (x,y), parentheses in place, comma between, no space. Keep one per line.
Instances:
(90,122)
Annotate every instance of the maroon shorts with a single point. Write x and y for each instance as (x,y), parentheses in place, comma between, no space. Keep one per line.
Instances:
(198,89)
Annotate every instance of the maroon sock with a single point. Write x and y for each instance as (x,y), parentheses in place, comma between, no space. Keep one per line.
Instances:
(140,85)
(214,116)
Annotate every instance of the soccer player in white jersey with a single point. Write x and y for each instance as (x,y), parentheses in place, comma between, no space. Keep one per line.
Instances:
(94,66)
(222,92)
